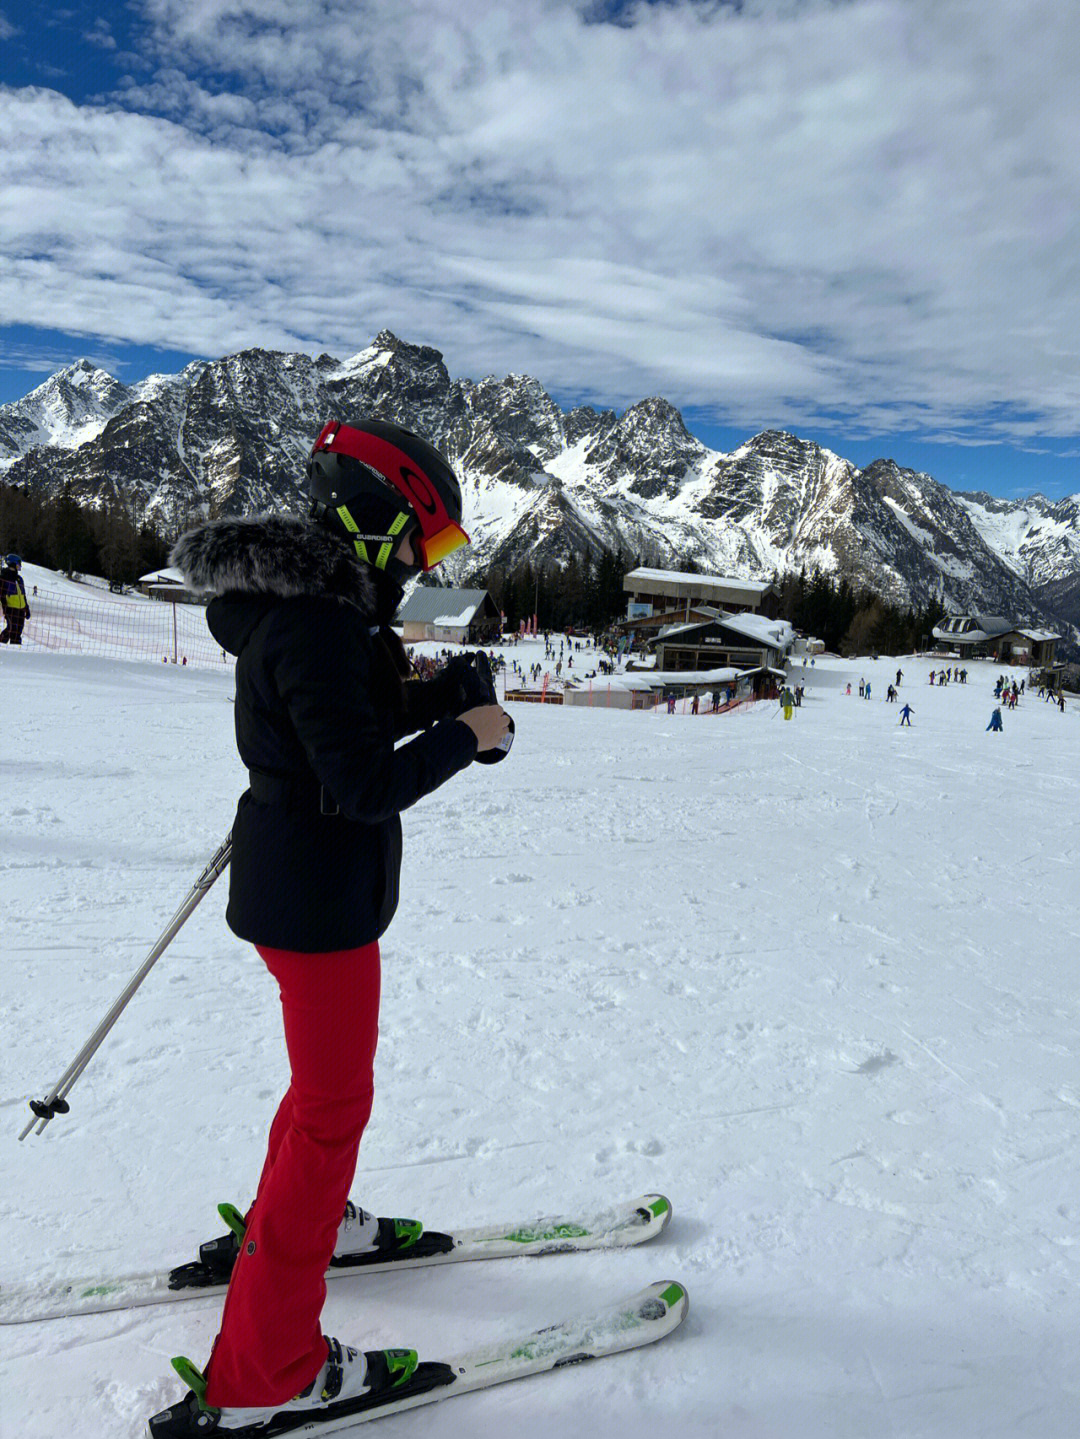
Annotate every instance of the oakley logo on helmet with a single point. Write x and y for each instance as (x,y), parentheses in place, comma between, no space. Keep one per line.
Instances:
(416,488)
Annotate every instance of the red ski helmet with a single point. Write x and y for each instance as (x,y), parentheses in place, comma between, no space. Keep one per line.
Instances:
(374,480)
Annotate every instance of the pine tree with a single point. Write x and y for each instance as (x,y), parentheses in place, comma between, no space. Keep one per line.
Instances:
(72,542)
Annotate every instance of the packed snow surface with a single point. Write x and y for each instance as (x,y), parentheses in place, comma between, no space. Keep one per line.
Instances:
(815,981)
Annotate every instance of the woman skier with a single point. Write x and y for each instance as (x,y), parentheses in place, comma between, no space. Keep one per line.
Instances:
(322,694)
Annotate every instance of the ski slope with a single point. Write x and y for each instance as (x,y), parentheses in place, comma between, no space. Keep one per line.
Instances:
(816,981)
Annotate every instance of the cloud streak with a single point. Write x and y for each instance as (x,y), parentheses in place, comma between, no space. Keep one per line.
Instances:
(771,213)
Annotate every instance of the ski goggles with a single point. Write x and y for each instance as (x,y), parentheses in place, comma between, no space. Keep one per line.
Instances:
(439,535)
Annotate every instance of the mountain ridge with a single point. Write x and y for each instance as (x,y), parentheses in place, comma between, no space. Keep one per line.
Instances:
(542,484)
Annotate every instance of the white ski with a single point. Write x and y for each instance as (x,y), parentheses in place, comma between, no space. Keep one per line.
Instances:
(623,1225)
(641,1319)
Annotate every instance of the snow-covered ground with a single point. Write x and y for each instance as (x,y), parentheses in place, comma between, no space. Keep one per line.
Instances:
(816,981)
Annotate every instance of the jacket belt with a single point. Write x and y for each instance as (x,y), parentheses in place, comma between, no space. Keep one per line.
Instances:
(304,795)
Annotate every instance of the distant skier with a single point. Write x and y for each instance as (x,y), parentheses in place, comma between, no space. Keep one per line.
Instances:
(905,715)
(13,600)
(321,698)
(995,721)
(867,689)
(899,677)
(787,702)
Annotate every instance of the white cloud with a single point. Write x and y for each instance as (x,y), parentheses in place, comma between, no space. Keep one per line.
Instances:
(775,213)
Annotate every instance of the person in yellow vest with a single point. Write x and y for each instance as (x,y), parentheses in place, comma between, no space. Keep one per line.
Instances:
(13,599)
(787,701)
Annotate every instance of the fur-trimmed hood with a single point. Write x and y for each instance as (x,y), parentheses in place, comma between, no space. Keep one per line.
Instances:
(249,565)
(277,555)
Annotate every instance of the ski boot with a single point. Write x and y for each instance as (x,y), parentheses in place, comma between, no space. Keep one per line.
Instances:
(362,1239)
(349,1383)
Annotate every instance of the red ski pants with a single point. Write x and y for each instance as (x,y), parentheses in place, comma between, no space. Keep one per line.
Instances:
(270,1345)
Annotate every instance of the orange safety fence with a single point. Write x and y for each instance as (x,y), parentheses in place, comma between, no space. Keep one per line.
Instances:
(684,704)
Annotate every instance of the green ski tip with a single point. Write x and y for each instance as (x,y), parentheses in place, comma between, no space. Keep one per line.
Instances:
(233,1218)
(659,1206)
(673,1294)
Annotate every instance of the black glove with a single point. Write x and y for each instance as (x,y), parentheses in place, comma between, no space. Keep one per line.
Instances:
(483,670)
(462,686)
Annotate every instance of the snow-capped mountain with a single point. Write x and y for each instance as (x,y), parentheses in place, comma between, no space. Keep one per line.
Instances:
(1037,537)
(232,435)
(71,407)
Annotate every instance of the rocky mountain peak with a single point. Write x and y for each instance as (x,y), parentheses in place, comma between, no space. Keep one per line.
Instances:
(648,450)
(394,380)
(584,422)
(656,419)
(520,412)
(783,449)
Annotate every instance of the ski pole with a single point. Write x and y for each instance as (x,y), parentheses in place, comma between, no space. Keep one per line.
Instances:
(56,1102)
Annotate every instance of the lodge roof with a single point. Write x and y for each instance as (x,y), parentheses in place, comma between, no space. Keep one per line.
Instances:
(167,576)
(701,582)
(769,634)
(974,629)
(433,606)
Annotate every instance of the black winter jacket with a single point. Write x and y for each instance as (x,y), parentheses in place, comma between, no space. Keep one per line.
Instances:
(320,701)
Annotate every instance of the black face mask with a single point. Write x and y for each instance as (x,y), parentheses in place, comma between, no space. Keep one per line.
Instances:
(388,595)
(401,573)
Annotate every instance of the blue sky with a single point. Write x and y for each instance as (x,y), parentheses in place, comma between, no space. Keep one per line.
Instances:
(853,219)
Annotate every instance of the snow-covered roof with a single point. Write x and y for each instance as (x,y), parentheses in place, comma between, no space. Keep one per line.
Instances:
(431,606)
(973,629)
(162,577)
(776,634)
(677,577)
(668,632)
(1039,634)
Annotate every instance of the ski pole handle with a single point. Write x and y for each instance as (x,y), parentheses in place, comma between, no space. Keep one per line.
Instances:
(56,1100)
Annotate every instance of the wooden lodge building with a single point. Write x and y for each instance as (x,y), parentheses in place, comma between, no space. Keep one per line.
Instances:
(994,637)
(742,642)
(467,617)
(168,584)
(749,644)
(656,598)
